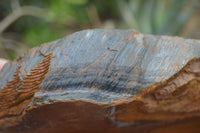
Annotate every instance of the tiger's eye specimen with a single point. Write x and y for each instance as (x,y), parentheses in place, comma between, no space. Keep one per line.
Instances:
(103,80)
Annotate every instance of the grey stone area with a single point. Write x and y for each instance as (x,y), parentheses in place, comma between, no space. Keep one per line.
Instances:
(104,65)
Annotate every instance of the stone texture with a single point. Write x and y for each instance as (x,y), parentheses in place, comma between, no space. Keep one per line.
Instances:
(103,81)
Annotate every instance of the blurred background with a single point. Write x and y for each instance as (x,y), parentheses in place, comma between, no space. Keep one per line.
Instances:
(27,23)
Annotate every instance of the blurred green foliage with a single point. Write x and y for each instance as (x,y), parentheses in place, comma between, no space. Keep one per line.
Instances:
(157,16)
(54,24)
(63,17)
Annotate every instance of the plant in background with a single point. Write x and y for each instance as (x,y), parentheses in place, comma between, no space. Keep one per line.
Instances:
(157,16)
